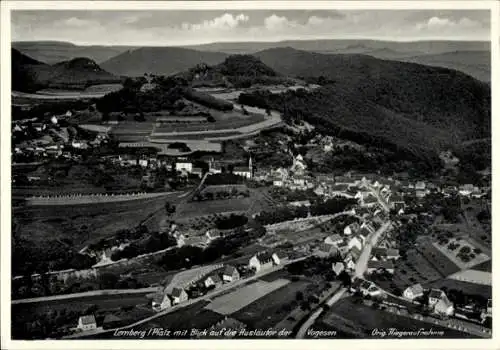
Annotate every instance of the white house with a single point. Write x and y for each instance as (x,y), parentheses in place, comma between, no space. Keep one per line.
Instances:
(279,258)
(87,323)
(334,239)
(444,307)
(230,274)
(261,262)
(161,301)
(413,292)
(179,295)
(355,242)
(212,280)
(338,267)
(434,296)
(351,229)
(184,166)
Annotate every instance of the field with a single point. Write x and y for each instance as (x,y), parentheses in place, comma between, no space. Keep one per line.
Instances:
(434,256)
(361,319)
(83,224)
(232,302)
(452,254)
(414,269)
(193,209)
(269,310)
(485,266)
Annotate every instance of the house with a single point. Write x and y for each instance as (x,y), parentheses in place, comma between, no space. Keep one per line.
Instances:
(338,267)
(420,185)
(278,182)
(87,323)
(349,262)
(179,295)
(356,285)
(243,171)
(213,280)
(184,166)
(369,201)
(355,242)
(326,250)
(367,226)
(355,253)
(279,258)
(334,239)
(261,261)
(320,190)
(375,265)
(197,171)
(230,274)
(338,190)
(364,234)
(305,203)
(351,229)
(444,306)
(161,301)
(368,288)
(413,292)
(434,296)
(392,254)
(343,248)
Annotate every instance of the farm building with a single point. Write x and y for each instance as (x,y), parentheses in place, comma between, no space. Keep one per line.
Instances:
(434,296)
(86,323)
(338,267)
(334,239)
(413,292)
(179,295)
(213,280)
(261,261)
(230,274)
(379,266)
(161,301)
(351,229)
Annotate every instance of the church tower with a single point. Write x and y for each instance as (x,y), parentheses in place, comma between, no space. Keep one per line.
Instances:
(250,166)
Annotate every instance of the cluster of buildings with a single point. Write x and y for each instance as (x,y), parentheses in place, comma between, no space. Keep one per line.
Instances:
(266,260)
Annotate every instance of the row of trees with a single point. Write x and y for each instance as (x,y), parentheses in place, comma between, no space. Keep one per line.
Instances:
(330,206)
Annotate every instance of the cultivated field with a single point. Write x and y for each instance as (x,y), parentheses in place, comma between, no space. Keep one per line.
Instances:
(271,309)
(232,302)
(91,199)
(452,254)
(193,209)
(184,278)
(414,269)
(437,259)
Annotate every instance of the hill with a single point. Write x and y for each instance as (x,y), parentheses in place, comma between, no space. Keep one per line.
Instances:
(348,46)
(475,63)
(30,75)
(418,108)
(159,61)
(52,52)
(470,57)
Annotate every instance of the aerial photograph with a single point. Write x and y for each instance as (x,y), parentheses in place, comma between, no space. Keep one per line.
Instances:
(250,174)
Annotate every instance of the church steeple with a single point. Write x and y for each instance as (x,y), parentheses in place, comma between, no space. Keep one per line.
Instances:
(250,166)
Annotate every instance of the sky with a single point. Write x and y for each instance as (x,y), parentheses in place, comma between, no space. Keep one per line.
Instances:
(191,27)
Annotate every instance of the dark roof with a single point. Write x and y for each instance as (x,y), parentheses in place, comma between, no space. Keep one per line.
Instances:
(264,257)
(339,188)
(229,270)
(355,252)
(158,298)
(88,319)
(392,252)
(435,293)
(241,169)
(215,278)
(176,292)
(379,251)
(370,199)
(364,231)
(366,284)
(380,264)
(327,248)
(396,199)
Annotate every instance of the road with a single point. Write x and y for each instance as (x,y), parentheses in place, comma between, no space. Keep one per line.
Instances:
(362,262)
(207,296)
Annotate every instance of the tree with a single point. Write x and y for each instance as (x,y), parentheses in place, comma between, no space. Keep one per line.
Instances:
(108,280)
(299,296)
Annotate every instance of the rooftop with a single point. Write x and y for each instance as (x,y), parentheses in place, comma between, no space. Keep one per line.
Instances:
(88,319)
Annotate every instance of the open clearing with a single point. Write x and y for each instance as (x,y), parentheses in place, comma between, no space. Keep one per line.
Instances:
(271,309)
(232,302)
